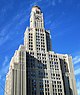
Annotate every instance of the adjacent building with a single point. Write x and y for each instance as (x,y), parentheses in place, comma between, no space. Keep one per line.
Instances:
(35,69)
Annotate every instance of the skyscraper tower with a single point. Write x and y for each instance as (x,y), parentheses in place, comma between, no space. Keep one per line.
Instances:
(35,69)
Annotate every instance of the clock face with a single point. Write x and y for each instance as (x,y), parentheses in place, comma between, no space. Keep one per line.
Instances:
(38,17)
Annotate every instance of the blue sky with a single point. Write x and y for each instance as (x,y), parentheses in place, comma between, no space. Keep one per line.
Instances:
(62,18)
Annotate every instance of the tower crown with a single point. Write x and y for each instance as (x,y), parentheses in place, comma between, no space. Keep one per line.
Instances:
(36,9)
(36,19)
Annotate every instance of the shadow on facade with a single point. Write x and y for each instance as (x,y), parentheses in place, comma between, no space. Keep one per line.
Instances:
(65,77)
(35,75)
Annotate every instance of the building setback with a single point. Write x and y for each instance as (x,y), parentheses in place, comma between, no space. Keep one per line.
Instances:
(35,69)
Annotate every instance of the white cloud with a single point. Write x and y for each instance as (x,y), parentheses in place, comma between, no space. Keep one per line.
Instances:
(78,87)
(5,61)
(3,40)
(49,22)
(5,33)
(78,91)
(4,68)
(77,71)
(76,59)
(4,71)
(26,18)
